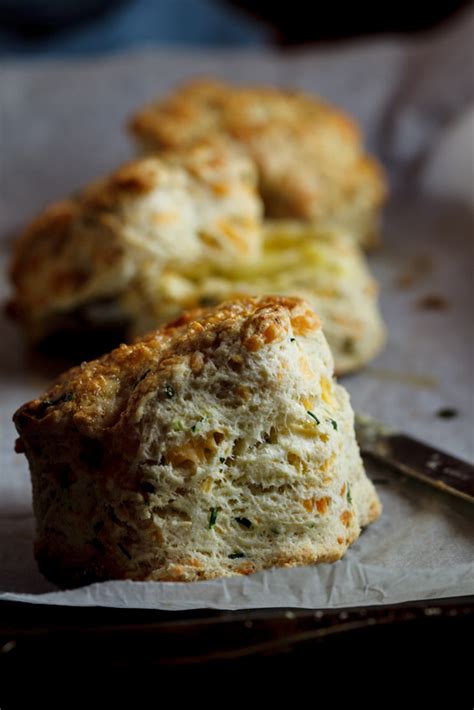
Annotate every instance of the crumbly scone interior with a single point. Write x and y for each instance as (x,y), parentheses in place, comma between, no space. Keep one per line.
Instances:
(227,450)
(271,456)
(322,265)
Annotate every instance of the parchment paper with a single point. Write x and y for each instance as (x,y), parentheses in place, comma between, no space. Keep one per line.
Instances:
(62,125)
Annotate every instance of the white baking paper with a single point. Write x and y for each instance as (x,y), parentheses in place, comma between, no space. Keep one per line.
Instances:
(62,125)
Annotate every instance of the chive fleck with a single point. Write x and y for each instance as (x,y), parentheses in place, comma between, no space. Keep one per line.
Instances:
(349,497)
(208,301)
(46,403)
(125,551)
(64,479)
(236,555)
(142,376)
(313,416)
(169,391)
(97,545)
(447,413)
(113,517)
(64,398)
(147,487)
(222,459)
(213,517)
(245,522)
(349,346)
(97,527)
(198,426)
(292,340)
(334,424)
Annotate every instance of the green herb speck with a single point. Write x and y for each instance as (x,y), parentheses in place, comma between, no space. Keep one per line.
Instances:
(142,376)
(64,479)
(292,340)
(125,551)
(236,555)
(245,522)
(349,497)
(334,424)
(213,517)
(97,544)
(169,391)
(447,413)
(208,301)
(46,403)
(222,459)
(313,416)
(97,527)
(147,487)
(198,426)
(349,346)
(67,397)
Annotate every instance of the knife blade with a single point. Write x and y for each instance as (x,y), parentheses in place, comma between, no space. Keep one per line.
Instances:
(415,458)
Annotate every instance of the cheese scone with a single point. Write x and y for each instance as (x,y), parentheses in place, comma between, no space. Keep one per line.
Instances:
(183,230)
(180,208)
(219,445)
(322,265)
(311,161)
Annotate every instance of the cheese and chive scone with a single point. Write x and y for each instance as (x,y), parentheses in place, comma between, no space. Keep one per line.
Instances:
(219,445)
(167,233)
(178,209)
(310,156)
(322,265)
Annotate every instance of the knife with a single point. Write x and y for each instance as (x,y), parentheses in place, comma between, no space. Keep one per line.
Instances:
(415,458)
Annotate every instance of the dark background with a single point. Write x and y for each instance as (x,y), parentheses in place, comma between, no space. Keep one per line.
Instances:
(61,27)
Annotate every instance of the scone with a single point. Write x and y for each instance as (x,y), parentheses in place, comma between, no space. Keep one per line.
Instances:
(219,445)
(183,230)
(326,267)
(322,265)
(311,161)
(74,260)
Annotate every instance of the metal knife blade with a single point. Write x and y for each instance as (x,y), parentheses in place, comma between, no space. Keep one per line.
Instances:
(415,458)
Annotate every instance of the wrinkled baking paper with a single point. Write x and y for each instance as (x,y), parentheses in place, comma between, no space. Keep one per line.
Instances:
(62,125)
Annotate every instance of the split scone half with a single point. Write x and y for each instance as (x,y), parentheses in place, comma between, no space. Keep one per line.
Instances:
(322,265)
(219,445)
(163,234)
(311,161)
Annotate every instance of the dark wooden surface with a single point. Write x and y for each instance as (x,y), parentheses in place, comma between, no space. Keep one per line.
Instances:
(124,655)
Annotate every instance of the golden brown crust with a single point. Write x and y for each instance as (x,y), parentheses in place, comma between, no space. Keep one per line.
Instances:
(208,104)
(78,572)
(93,394)
(310,157)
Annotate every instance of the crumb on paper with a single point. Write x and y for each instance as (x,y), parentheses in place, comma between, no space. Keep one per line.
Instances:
(432,302)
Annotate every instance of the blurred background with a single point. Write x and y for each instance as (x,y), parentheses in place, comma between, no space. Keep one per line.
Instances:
(68,27)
